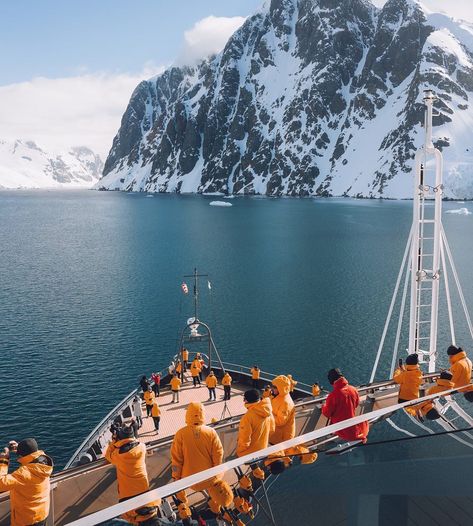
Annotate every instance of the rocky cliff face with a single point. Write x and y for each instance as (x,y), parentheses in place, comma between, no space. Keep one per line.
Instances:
(309,97)
(23,164)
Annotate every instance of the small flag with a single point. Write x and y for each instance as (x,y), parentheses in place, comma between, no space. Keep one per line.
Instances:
(209,285)
(185,288)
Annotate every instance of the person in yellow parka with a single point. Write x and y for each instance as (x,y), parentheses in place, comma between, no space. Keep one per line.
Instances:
(196,368)
(315,389)
(211,382)
(175,388)
(283,411)
(197,447)
(128,456)
(255,374)
(460,366)
(256,424)
(227,386)
(156,414)
(29,485)
(409,379)
(267,393)
(443,383)
(149,397)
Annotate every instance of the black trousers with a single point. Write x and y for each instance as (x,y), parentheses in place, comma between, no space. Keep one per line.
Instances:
(255,384)
(196,380)
(212,395)
(156,389)
(156,420)
(227,390)
(148,410)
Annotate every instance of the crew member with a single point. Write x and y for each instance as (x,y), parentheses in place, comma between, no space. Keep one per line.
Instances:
(211,382)
(409,379)
(195,371)
(227,386)
(28,485)
(185,357)
(460,366)
(128,456)
(156,414)
(149,397)
(175,388)
(283,411)
(255,374)
(197,447)
(341,405)
(256,424)
(443,383)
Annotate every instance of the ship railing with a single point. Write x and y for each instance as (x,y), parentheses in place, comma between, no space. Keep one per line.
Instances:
(101,432)
(306,439)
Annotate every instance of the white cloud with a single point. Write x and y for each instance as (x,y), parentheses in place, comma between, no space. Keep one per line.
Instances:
(74,111)
(208,36)
(461,9)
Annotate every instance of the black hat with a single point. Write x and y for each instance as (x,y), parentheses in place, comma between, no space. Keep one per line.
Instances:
(26,447)
(446,375)
(333,375)
(277,467)
(412,359)
(125,432)
(251,396)
(452,350)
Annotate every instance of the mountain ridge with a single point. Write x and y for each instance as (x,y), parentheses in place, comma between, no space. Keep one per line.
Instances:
(23,164)
(307,98)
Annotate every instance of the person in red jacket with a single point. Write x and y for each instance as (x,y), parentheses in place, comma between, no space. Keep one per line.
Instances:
(341,404)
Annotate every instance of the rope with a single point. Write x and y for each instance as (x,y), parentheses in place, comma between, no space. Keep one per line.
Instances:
(447,292)
(457,282)
(391,307)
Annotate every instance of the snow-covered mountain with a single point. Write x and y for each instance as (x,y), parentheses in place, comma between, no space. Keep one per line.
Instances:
(24,165)
(309,97)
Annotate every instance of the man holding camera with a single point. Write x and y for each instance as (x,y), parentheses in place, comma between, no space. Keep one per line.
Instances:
(29,485)
(128,456)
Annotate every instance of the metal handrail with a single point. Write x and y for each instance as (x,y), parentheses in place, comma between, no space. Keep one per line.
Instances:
(104,423)
(305,438)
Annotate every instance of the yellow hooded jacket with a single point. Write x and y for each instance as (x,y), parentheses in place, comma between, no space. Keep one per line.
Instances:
(196,367)
(441,385)
(29,488)
(128,456)
(460,367)
(255,427)
(155,411)
(149,396)
(195,447)
(255,373)
(211,381)
(409,380)
(175,383)
(283,411)
(227,379)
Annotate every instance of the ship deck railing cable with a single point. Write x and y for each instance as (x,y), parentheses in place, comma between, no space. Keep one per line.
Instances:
(179,485)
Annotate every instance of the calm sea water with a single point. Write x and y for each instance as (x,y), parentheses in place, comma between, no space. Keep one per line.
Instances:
(90,293)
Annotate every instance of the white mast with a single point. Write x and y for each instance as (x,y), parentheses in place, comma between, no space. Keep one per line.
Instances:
(425,248)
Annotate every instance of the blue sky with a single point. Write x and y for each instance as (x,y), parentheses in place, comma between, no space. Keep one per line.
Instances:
(56,38)
(68,68)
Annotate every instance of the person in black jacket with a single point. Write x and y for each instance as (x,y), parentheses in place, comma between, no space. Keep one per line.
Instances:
(144,383)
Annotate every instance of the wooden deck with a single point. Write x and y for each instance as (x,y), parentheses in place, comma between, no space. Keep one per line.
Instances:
(173,415)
